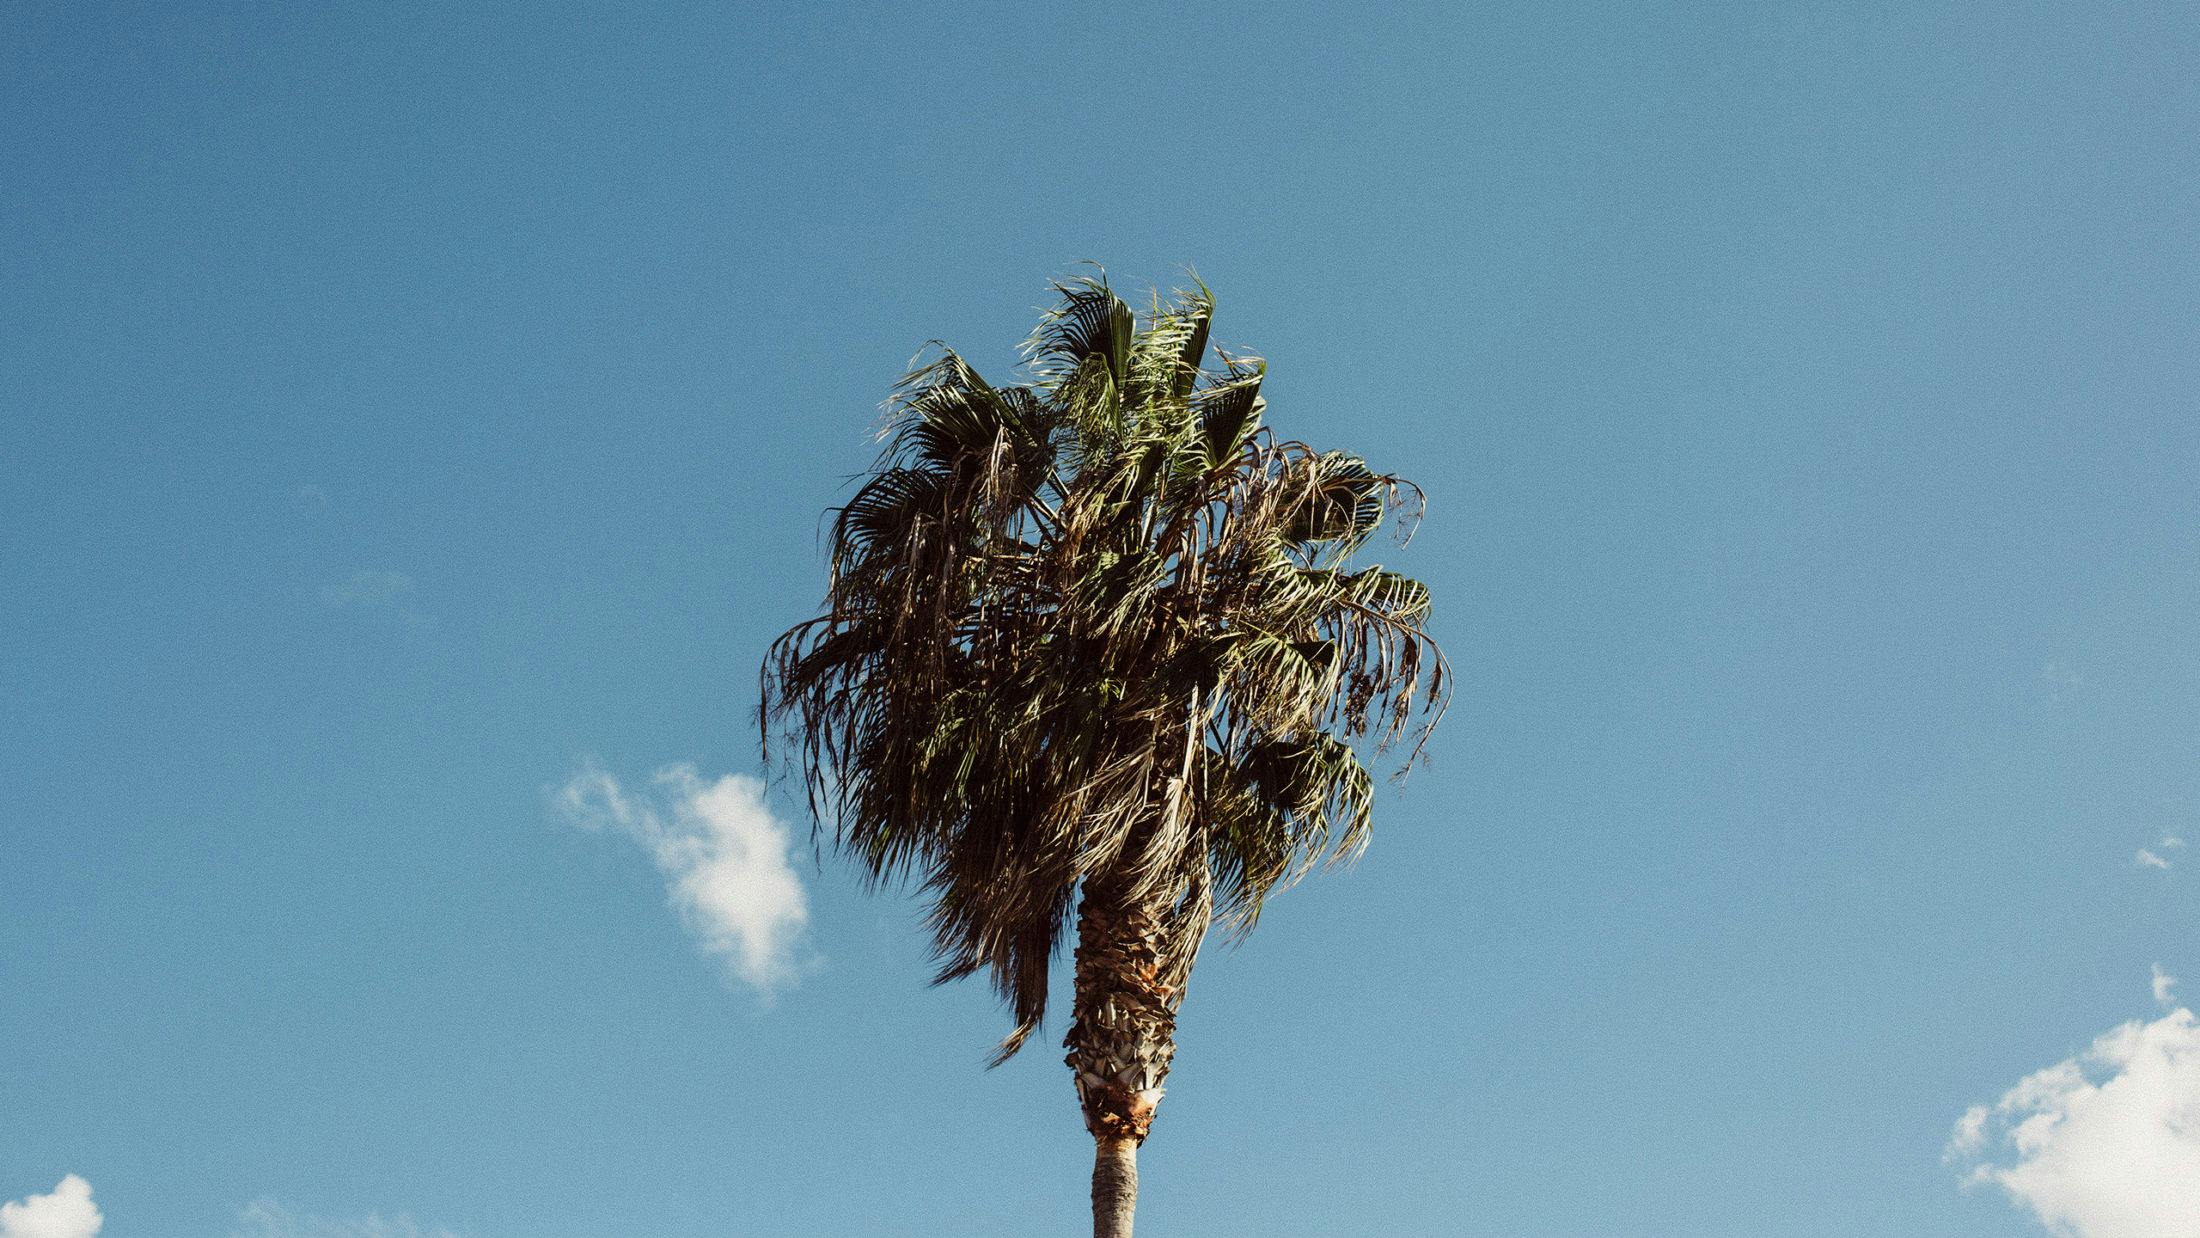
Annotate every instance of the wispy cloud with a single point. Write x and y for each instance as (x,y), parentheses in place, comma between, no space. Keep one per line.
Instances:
(378,592)
(66,1212)
(2104,1144)
(2059,679)
(268,1219)
(724,858)
(2165,986)
(2158,856)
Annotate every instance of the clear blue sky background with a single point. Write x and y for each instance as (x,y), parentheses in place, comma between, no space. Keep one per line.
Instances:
(1805,397)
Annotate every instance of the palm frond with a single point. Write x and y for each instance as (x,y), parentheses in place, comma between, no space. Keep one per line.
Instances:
(1100,627)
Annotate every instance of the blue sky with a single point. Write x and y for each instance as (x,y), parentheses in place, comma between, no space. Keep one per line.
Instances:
(407,409)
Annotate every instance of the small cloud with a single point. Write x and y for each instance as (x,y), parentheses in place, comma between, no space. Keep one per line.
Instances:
(309,496)
(2149,859)
(268,1219)
(384,593)
(724,857)
(2164,985)
(2059,679)
(2170,842)
(1969,1136)
(2102,1145)
(67,1212)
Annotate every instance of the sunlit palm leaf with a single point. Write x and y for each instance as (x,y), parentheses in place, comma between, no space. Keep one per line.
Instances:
(1100,629)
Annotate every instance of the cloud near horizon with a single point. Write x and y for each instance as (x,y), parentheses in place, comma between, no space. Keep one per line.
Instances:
(66,1212)
(724,858)
(2105,1144)
(267,1219)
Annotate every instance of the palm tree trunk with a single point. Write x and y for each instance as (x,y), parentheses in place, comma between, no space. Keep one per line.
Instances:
(1114,1187)
(1121,1038)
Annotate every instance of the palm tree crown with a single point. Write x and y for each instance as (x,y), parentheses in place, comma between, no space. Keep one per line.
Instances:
(1093,642)
(1100,627)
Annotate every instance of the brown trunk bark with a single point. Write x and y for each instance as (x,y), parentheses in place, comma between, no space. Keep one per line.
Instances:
(1114,1187)
(1121,1038)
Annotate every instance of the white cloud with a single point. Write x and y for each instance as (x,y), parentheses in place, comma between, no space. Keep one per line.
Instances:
(66,1213)
(2105,1144)
(378,592)
(1970,1133)
(268,1219)
(2149,859)
(2059,679)
(724,857)
(2164,984)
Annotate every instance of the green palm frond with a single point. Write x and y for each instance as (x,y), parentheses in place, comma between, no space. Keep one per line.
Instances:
(1101,626)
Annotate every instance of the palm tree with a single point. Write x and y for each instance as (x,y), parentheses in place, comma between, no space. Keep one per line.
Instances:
(1092,642)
